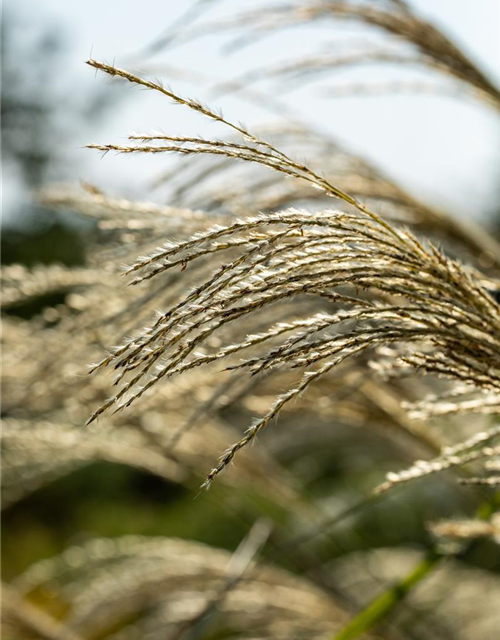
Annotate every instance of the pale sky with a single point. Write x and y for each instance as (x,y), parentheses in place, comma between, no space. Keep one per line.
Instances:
(440,148)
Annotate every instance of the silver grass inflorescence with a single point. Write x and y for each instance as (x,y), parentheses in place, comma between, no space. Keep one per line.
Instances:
(436,311)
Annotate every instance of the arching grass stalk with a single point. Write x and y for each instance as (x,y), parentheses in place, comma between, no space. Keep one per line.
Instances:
(382,606)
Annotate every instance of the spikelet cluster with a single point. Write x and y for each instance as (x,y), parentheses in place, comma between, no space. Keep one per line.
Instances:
(381,287)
